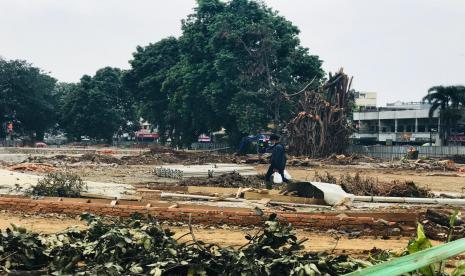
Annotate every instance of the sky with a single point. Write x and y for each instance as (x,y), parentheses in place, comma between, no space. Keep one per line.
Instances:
(397,48)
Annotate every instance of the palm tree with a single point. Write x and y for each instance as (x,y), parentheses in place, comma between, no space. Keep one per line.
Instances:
(449,100)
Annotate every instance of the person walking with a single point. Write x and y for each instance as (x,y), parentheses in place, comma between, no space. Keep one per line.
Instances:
(277,160)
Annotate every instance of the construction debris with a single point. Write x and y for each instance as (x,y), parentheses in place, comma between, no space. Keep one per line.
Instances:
(61,159)
(321,127)
(421,165)
(157,157)
(205,171)
(437,225)
(369,186)
(342,159)
(229,180)
(33,167)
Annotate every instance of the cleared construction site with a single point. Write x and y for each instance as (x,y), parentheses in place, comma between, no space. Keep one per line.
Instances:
(355,207)
(342,204)
(232,142)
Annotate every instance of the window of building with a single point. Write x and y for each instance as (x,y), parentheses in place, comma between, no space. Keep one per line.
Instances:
(400,128)
(384,129)
(421,128)
(409,129)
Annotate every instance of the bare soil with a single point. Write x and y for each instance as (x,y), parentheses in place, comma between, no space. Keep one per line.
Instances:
(137,170)
(422,179)
(141,174)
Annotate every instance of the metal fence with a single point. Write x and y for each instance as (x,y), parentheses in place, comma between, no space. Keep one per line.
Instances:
(397,152)
(209,146)
(8,143)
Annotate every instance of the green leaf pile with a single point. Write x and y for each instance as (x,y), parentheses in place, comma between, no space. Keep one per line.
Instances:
(140,246)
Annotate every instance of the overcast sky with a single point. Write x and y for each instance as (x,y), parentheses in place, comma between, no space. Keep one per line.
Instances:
(397,48)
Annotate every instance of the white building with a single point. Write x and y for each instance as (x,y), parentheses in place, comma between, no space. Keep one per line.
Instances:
(365,99)
(397,123)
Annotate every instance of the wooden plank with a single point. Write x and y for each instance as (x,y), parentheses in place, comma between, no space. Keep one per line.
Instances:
(211,190)
(283,198)
(414,261)
(89,195)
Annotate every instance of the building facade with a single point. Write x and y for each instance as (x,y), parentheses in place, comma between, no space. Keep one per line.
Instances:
(364,100)
(397,123)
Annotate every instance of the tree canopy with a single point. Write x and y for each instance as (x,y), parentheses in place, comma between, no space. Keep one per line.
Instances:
(97,106)
(232,67)
(235,66)
(26,97)
(450,101)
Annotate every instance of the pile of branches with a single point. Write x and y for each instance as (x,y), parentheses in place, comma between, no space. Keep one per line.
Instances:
(369,186)
(228,180)
(321,128)
(140,246)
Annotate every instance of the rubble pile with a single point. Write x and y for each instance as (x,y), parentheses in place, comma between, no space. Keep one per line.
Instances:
(437,225)
(33,167)
(147,158)
(369,186)
(100,158)
(229,180)
(421,165)
(341,159)
(59,160)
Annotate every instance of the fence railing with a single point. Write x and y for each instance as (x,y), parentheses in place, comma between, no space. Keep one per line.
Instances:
(209,146)
(8,143)
(396,152)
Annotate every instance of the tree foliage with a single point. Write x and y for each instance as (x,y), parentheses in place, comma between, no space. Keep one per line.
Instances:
(150,67)
(98,106)
(450,101)
(26,96)
(138,246)
(230,68)
(60,184)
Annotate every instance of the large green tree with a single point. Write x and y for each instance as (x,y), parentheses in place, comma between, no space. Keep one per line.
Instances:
(26,96)
(97,106)
(450,101)
(150,67)
(234,66)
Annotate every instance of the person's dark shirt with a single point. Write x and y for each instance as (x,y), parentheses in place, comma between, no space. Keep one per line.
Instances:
(278,157)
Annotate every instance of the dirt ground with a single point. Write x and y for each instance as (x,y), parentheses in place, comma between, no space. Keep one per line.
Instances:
(435,183)
(224,236)
(141,174)
(234,236)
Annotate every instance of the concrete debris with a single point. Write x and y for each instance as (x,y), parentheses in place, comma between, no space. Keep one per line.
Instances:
(421,165)
(202,171)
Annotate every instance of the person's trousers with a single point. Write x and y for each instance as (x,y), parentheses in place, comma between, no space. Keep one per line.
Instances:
(268,175)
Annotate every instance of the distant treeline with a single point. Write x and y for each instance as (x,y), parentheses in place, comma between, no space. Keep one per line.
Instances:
(234,67)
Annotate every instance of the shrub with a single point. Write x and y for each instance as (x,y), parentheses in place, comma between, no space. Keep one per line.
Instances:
(62,184)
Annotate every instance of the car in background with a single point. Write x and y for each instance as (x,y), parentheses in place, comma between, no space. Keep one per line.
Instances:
(41,145)
(204,139)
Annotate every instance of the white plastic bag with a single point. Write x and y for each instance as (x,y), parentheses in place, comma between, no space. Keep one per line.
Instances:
(277,178)
(287,175)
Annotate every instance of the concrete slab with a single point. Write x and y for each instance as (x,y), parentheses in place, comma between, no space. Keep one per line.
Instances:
(12,158)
